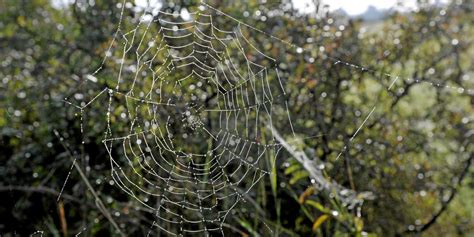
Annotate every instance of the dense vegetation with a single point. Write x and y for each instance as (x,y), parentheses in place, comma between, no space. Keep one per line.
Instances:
(409,166)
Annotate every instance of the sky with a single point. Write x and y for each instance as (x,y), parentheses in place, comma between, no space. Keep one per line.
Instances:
(352,7)
(356,7)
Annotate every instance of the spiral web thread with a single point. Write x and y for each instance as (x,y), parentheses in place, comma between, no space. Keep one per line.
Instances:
(192,189)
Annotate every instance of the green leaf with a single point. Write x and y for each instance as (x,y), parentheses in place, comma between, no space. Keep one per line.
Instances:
(299,175)
(292,168)
(248,227)
(317,205)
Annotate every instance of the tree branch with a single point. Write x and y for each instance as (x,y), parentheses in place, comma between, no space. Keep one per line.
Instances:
(344,194)
(445,204)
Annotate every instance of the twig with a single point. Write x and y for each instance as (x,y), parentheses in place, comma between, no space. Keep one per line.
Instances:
(38,189)
(99,202)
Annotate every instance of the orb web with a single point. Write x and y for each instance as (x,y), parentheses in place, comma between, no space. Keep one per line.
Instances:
(186,115)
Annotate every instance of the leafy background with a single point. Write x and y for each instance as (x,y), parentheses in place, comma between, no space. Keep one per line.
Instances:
(414,155)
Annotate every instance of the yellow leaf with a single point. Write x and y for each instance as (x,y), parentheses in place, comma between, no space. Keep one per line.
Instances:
(21,21)
(320,221)
(308,192)
(311,83)
(359,224)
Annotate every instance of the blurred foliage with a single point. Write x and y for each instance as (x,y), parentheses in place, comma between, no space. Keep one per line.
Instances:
(414,153)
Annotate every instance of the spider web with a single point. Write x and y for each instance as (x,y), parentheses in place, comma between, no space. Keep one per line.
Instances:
(194,100)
